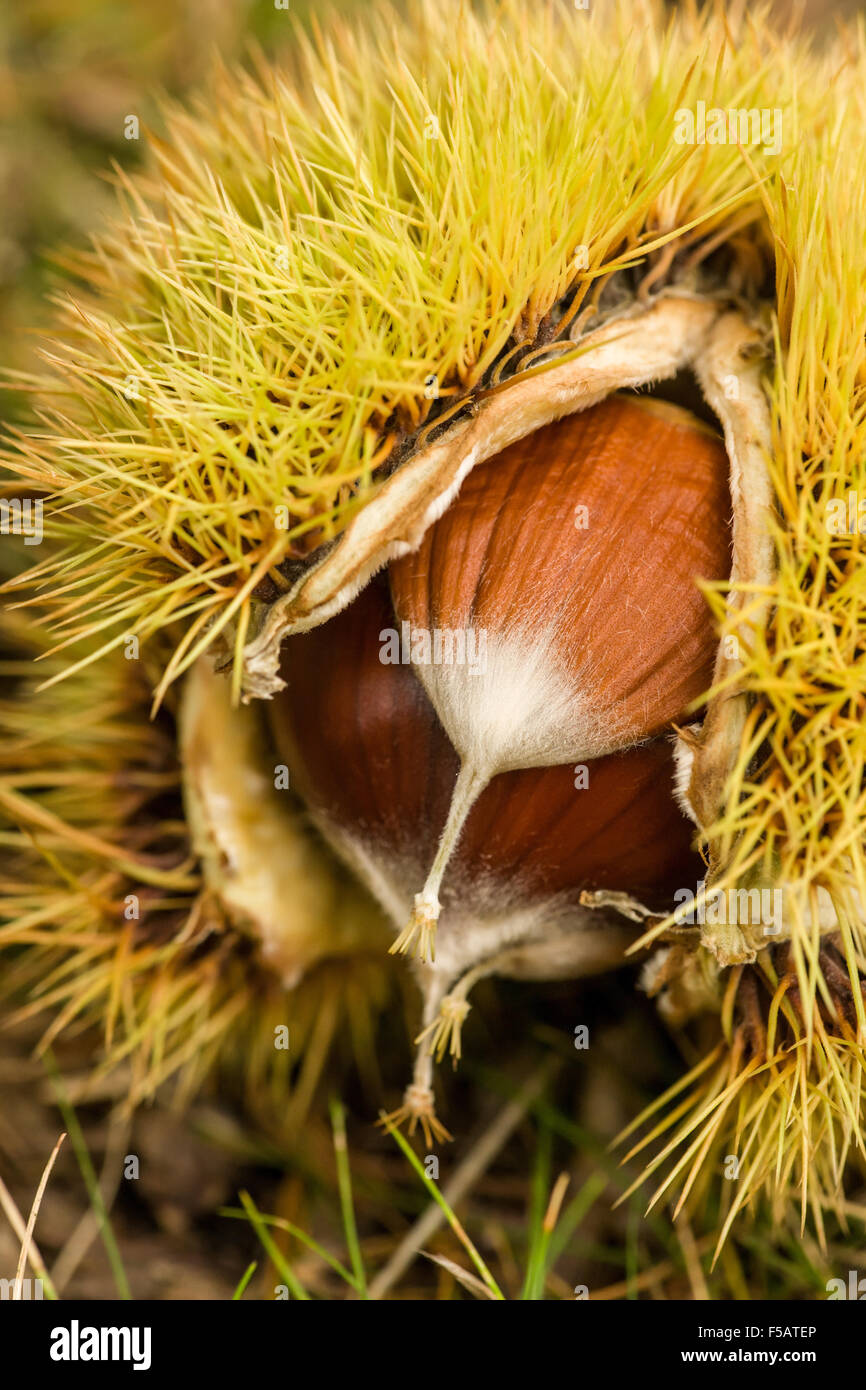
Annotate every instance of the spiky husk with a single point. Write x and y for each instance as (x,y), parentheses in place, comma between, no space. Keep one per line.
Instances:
(308,249)
(776,1107)
(111,924)
(301,259)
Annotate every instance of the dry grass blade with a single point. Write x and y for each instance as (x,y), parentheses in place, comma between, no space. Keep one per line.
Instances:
(34,1212)
(468,1281)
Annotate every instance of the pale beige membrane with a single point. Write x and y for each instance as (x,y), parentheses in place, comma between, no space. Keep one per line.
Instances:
(269,874)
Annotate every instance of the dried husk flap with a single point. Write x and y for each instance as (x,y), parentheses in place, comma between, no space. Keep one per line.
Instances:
(261,861)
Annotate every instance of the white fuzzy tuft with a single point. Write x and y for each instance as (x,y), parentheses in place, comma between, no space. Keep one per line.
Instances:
(520,710)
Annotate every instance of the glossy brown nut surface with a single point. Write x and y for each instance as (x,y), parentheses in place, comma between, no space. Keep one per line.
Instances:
(615,599)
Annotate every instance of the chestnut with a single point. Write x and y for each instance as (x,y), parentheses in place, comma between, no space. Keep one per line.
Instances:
(492,716)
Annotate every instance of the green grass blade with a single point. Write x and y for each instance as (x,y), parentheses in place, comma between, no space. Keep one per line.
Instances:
(91,1182)
(344,1179)
(278,1259)
(455,1224)
(281,1224)
(245,1279)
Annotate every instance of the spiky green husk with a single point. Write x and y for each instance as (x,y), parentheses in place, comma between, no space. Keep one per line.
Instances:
(259,328)
(109,923)
(776,1107)
(796,809)
(302,258)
